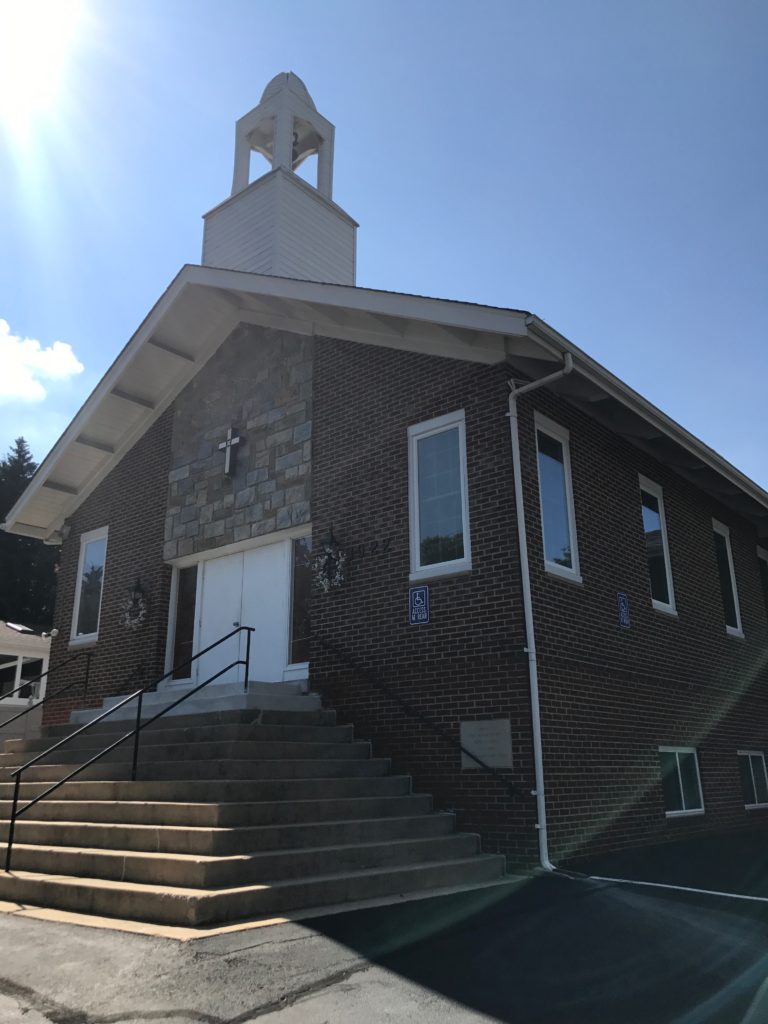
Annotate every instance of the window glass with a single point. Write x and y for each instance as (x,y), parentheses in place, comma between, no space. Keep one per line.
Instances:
(8,669)
(670,781)
(554,501)
(680,780)
(747,785)
(441,525)
(184,635)
(689,777)
(758,776)
(763,565)
(91,580)
(31,668)
(654,547)
(300,601)
(726,581)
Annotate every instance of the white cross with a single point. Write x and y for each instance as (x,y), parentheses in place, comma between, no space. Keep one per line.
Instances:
(227,446)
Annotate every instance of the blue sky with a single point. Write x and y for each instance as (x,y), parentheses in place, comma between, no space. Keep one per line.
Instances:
(602,164)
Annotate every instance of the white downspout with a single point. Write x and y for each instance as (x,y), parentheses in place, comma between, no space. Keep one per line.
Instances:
(530,635)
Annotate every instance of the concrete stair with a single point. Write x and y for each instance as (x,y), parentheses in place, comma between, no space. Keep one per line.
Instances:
(237,812)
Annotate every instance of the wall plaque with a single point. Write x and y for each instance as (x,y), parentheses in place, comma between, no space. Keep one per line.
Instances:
(623,603)
(490,739)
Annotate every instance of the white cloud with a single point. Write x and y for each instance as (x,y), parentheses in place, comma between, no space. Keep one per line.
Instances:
(25,364)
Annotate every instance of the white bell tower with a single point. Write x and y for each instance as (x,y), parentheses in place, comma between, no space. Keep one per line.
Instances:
(279,223)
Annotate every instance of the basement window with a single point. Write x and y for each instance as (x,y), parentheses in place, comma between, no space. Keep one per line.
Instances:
(439,510)
(657,546)
(754,780)
(730,595)
(680,781)
(558,521)
(90,583)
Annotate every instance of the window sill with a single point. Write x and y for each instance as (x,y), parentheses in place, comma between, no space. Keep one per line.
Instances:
(665,609)
(439,572)
(737,634)
(563,574)
(756,807)
(684,814)
(84,641)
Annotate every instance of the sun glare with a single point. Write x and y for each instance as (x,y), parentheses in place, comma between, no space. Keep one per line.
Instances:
(37,38)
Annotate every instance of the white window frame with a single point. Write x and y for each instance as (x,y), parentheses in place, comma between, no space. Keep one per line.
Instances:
(85,539)
(556,432)
(725,531)
(415,434)
(685,813)
(7,658)
(657,492)
(750,754)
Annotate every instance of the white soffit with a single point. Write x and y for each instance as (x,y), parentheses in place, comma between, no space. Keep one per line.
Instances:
(203,305)
(197,312)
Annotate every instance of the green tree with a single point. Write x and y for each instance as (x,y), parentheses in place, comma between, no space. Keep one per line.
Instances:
(27,566)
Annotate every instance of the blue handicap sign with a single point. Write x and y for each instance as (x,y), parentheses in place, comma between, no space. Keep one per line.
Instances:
(623,602)
(418,606)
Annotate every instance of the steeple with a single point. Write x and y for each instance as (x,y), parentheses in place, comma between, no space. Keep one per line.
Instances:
(279,223)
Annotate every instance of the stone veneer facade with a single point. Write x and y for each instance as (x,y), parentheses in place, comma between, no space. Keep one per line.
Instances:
(259,383)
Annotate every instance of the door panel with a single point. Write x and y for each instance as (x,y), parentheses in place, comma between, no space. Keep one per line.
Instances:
(220,608)
(266,606)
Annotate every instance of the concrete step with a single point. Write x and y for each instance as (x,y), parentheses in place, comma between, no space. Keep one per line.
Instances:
(219,790)
(320,716)
(232,814)
(205,872)
(203,702)
(114,768)
(195,907)
(153,738)
(225,841)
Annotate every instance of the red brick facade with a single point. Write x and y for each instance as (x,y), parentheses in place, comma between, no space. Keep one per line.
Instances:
(610,696)
(131,501)
(468,662)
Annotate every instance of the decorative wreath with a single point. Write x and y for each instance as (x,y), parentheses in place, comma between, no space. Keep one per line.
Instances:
(328,565)
(134,609)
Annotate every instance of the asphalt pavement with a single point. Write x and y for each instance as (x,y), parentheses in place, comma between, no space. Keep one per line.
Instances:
(549,950)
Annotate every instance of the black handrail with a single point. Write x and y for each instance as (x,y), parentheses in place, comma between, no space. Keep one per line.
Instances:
(412,712)
(50,696)
(134,732)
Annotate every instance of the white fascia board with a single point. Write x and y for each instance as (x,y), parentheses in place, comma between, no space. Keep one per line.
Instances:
(616,388)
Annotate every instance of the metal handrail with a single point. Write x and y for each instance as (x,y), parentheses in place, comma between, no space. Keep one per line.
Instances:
(50,696)
(412,712)
(134,732)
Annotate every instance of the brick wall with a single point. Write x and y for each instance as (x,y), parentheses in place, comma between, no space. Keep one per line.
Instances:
(131,502)
(468,662)
(611,696)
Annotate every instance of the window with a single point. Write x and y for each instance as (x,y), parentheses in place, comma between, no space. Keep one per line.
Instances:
(184,631)
(656,546)
(724,558)
(754,780)
(301,593)
(438,497)
(762,564)
(15,670)
(90,580)
(680,781)
(558,523)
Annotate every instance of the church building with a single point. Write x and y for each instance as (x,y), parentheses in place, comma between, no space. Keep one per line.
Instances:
(528,605)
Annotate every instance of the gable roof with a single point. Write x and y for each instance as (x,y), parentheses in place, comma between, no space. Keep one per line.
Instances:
(203,305)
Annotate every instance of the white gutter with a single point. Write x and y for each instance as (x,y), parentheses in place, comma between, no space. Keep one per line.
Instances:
(530,635)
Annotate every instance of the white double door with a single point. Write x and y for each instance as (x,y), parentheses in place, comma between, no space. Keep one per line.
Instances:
(249,588)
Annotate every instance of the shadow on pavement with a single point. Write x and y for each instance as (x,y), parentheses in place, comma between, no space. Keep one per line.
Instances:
(569,951)
(732,862)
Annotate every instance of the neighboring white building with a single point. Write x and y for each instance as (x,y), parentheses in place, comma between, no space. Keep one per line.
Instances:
(24,656)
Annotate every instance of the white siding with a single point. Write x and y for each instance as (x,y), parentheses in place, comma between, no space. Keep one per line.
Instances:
(280,225)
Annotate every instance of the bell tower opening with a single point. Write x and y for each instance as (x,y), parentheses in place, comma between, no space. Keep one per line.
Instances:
(280,217)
